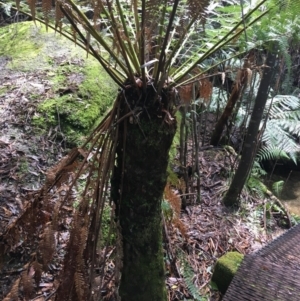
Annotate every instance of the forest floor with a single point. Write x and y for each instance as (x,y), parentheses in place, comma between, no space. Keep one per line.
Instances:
(204,231)
(208,229)
(211,229)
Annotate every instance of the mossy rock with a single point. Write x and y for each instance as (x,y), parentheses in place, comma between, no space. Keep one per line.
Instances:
(75,90)
(225,269)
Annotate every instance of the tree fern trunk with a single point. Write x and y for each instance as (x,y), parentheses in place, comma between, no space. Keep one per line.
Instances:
(250,144)
(137,187)
(234,97)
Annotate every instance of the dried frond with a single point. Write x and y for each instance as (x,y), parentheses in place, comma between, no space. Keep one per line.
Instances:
(180,226)
(249,76)
(173,199)
(82,239)
(32,4)
(186,93)
(37,272)
(97,5)
(241,78)
(175,203)
(58,16)
(151,30)
(47,246)
(46,8)
(27,282)
(205,90)
(22,228)
(18,4)
(196,7)
(13,295)
(80,286)
(152,12)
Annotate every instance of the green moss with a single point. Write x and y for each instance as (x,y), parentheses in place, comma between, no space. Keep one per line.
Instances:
(172,176)
(225,269)
(147,147)
(80,110)
(173,151)
(79,91)
(20,41)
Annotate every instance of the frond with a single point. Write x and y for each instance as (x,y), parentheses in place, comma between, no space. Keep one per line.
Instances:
(271,153)
(282,105)
(256,186)
(278,140)
(277,187)
(188,276)
(281,129)
(257,170)
(291,126)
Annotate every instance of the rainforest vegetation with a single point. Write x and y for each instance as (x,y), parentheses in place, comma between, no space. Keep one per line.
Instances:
(141,138)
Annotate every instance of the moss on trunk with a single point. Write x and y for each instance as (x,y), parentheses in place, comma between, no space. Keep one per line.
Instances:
(137,187)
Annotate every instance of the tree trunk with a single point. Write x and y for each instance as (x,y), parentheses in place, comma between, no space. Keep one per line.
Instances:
(250,144)
(238,87)
(137,189)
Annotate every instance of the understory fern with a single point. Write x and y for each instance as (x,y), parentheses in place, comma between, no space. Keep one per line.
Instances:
(188,275)
(277,188)
(282,129)
(255,186)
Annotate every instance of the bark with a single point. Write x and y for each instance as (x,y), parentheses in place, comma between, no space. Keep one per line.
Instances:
(251,141)
(137,188)
(234,97)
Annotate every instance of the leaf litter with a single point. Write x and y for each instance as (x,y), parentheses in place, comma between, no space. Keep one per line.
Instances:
(211,230)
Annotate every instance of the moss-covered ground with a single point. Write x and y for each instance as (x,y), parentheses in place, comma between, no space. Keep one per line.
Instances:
(75,91)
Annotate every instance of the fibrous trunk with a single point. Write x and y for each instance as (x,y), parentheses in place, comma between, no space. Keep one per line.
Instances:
(139,178)
(251,141)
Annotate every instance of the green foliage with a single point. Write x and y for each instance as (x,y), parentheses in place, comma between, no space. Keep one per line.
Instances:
(255,186)
(167,210)
(188,276)
(295,219)
(108,228)
(257,170)
(277,187)
(282,129)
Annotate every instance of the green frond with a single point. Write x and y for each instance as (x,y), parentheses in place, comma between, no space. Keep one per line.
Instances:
(291,126)
(281,106)
(257,170)
(277,187)
(271,153)
(167,210)
(281,129)
(256,186)
(188,276)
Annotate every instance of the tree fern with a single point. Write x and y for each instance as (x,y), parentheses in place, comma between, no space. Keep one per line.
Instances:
(282,127)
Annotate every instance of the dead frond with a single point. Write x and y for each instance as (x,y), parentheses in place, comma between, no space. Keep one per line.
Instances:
(175,203)
(205,90)
(28,282)
(13,295)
